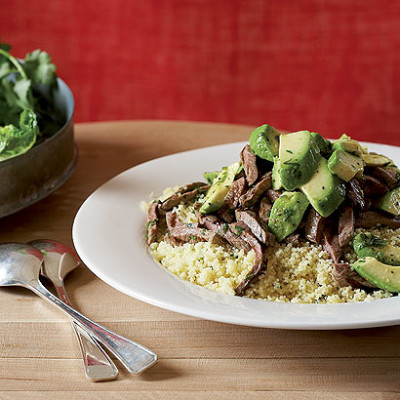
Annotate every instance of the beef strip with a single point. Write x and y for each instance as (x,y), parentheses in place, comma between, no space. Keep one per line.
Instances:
(259,264)
(231,201)
(346,225)
(251,220)
(183,195)
(372,187)
(293,238)
(272,195)
(331,245)
(215,224)
(264,210)
(314,226)
(345,276)
(153,218)
(250,164)
(370,219)
(389,176)
(355,194)
(172,240)
(189,233)
(251,197)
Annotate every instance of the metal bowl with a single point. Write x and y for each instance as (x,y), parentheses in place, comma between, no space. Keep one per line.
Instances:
(30,177)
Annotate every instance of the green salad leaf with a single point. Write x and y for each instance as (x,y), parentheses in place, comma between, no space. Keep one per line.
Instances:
(17,140)
(27,112)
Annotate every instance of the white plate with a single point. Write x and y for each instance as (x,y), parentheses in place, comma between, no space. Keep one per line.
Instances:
(109,232)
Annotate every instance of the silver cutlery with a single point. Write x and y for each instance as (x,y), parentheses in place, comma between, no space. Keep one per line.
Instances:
(58,261)
(20,266)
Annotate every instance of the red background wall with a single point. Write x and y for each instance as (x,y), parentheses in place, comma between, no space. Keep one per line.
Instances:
(331,66)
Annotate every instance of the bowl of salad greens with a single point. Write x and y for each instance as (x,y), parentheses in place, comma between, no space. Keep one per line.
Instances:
(37,150)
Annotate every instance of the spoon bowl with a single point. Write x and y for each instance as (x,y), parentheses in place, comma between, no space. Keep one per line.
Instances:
(59,259)
(19,264)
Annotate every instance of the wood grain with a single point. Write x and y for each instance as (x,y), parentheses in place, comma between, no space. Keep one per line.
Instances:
(198,359)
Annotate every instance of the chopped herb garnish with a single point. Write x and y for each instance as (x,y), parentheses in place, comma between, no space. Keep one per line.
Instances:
(239,229)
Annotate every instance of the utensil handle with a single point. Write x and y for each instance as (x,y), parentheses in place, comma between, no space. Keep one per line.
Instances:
(135,357)
(98,365)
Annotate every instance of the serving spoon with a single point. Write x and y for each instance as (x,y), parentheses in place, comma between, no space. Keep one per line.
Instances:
(20,266)
(58,261)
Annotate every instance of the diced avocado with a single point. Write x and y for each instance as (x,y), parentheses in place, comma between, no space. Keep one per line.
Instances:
(347,144)
(345,165)
(381,275)
(287,213)
(220,187)
(276,178)
(369,245)
(325,146)
(210,176)
(377,160)
(299,156)
(264,141)
(390,202)
(324,191)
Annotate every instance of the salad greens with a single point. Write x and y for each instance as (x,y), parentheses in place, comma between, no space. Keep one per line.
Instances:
(27,111)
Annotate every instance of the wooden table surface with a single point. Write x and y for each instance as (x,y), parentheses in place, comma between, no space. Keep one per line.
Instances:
(198,359)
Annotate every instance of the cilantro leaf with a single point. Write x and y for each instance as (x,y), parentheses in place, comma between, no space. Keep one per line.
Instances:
(40,69)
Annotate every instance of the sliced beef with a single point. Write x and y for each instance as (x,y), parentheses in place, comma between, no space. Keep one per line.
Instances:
(189,233)
(250,164)
(346,225)
(251,220)
(331,245)
(259,264)
(314,226)
(218,226)
(388,176)
(231,201)
(193,234)
(153,218)
(184,194)
(272,195)
(371,219)
(355,194)
(293,238)
(372,187)
(251,197)
(172,240)
(264,210)
(345,276)
(172,220)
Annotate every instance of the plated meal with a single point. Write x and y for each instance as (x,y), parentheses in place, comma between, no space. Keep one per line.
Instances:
(297,218)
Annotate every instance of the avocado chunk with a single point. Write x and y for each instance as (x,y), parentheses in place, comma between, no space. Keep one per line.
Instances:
(369,245)
(325,146)
(287,213)
(210,176)
(377,160)
(299,156)
(220,187)
(264,141)
(390,202)
(345,165)
(383,276)
(324,191)
(345,143)
(276,177)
